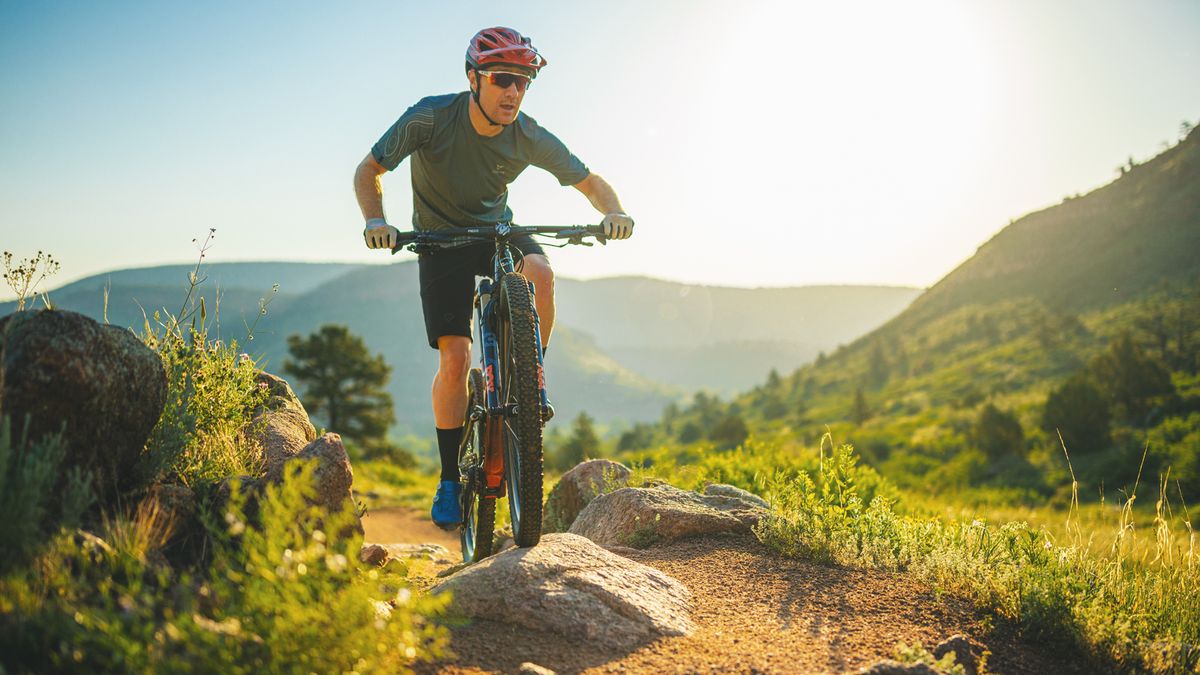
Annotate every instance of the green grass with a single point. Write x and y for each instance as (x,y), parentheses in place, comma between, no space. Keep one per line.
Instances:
(1130,605)
(285,594)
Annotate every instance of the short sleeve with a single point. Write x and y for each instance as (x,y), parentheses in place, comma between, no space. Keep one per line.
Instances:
(403,138)
(552,155)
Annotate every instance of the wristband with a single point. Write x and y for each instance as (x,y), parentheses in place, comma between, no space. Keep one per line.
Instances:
(376,223)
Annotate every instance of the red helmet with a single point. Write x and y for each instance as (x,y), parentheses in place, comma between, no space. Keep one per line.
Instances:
(503,46)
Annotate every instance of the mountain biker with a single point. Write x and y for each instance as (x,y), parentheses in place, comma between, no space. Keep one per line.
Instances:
(466,148)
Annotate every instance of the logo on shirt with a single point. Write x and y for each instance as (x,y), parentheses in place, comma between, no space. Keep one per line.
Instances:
(499,168)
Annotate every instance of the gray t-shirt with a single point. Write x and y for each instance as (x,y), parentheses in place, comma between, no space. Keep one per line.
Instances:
(460,178)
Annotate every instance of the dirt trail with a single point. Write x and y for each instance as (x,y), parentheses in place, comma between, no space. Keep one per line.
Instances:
(754,612)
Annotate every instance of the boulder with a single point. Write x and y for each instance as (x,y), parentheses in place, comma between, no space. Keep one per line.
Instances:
(332,478)
(280,424)
(723,490)
(579,486)
(639,517)
(100,383)
(569,586)
(333,475)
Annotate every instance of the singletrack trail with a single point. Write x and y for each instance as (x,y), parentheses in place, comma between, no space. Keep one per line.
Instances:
(754,612)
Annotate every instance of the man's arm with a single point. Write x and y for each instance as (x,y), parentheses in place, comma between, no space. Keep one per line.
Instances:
(367,188)
(369,192)
(617,224)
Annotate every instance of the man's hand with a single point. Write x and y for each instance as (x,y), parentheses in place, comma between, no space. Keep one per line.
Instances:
(617,226)
(378,234)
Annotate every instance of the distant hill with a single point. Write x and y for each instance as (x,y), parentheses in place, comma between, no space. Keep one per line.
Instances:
(623,348)
(721,338)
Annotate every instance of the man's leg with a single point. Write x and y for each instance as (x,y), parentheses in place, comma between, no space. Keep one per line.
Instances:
(537,269)
(450,398)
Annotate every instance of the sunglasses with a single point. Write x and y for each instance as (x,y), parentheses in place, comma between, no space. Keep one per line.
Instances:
(505,80)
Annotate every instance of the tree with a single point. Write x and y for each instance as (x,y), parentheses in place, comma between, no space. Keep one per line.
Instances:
(1132,380)
(859,412)
(582,444)
(690,433)
(641,436)
(730,432)
(997,433)
(342,383)
(1080,413)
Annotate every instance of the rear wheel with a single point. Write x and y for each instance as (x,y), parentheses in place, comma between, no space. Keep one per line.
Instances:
(479,511)
(520,395)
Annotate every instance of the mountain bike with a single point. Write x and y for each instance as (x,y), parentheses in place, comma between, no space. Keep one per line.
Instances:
(507,405)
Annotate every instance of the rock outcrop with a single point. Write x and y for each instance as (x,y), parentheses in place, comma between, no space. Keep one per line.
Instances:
(281,424)
(723,490)
(98,383)
(332,477)
(569,586)
(639,517)
(577,488)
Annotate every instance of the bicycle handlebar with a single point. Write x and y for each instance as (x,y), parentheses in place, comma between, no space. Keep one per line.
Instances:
(574,234)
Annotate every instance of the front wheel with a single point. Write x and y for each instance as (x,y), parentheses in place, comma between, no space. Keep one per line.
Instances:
(520,395)
(478,510)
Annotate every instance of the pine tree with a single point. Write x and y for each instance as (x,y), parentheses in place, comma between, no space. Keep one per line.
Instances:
(341,383)
(859,412)
(582,444)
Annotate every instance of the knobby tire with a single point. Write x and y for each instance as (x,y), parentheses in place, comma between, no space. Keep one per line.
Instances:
(479,512)
(522,431)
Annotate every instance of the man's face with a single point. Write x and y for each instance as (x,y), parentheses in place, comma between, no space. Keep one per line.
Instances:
(500,103)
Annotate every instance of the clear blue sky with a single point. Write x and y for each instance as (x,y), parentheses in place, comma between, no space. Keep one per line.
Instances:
(756,143)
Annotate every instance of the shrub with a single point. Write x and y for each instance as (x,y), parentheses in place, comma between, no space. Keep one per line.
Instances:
(1080,413)
(284,598)
(997,433)
(36,497)
(211,395)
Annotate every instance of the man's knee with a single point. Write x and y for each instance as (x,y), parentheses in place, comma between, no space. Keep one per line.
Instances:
(454,357)
(537,269)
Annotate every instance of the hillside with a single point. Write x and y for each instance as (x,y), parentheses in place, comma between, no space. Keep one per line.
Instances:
(1103,248)
(1102,291)
(723,339)
(617,341)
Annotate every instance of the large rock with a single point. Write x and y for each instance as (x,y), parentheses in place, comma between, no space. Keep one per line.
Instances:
(101,382)
(723,490)
(639,517)
(570,586)
(332,477)
(579,486)
(281,424)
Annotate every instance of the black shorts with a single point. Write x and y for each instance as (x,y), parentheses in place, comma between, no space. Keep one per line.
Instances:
(448,284)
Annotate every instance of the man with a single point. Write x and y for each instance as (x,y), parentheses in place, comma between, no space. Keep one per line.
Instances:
(466,148)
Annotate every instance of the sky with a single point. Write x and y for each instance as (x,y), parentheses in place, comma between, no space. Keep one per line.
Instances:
(755,143)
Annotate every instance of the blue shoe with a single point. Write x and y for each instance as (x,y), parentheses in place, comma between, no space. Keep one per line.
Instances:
(447,511)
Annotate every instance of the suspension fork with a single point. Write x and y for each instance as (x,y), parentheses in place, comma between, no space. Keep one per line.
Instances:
(492,452)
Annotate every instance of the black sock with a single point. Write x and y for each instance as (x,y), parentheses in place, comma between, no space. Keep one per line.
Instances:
(448,441)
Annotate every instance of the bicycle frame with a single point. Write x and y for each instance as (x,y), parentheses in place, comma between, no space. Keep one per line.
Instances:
(489,342)
(494,412)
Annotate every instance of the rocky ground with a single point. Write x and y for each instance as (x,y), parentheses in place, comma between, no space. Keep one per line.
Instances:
(752,611)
